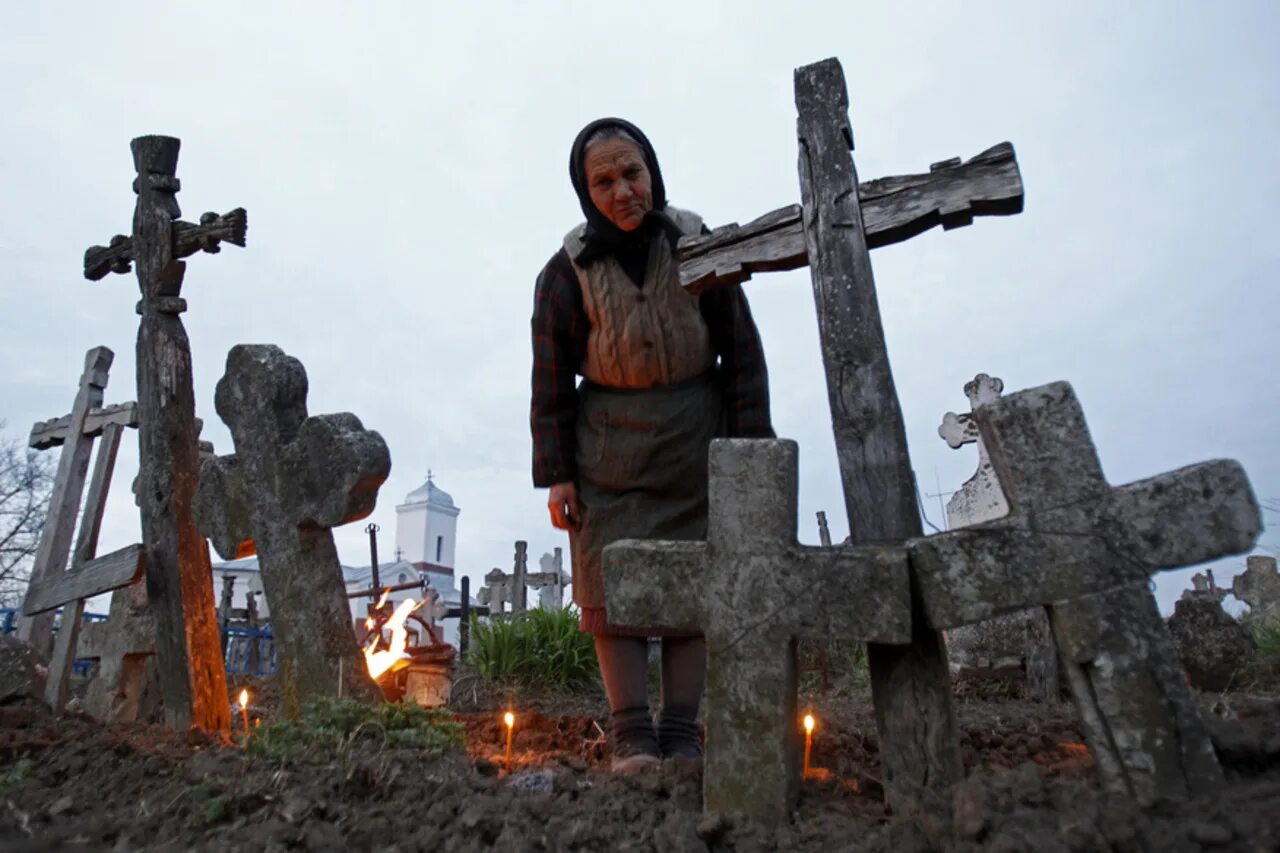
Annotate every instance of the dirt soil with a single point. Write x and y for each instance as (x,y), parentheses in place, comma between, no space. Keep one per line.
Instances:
(74,784)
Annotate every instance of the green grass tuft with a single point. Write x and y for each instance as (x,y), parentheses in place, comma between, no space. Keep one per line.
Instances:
(536,647)
(330,726)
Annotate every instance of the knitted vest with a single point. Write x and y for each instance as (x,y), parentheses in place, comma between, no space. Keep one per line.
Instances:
(642,337)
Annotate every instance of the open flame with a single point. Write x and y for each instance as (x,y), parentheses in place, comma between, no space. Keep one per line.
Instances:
(379,660)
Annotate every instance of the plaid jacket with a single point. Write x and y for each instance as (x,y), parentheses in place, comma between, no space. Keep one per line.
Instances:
(560,329)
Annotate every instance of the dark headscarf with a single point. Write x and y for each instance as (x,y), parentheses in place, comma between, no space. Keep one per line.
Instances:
(602,237)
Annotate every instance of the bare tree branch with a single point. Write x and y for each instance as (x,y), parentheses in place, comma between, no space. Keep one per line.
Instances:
(26,478)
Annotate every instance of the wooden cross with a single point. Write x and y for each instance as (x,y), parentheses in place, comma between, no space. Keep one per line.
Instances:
(749,589)
(291,479)
(833,230)
(53,583)
(179,575)
(1086,550)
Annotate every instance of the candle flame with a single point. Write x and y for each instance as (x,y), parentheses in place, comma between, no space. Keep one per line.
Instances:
(808,723)
(509,718)
(244,699)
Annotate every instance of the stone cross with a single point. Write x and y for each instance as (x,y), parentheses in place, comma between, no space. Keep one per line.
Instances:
(1025,634)
(832,231)
(179,575)
(498,590)
(291,479)
(125,687)
(1204,587)
(1086,550)
(551,581)
(1259,587)
(752,763)
(53,583)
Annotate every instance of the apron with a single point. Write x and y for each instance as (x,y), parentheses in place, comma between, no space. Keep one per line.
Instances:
(642,474)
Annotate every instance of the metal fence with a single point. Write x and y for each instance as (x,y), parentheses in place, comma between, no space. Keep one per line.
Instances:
(248,651)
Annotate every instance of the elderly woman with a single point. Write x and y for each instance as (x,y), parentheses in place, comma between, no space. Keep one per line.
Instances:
(624,453)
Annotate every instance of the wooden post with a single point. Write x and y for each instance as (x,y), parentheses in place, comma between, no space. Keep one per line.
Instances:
(179,576)
(464,618)
(519,591)
(910,684)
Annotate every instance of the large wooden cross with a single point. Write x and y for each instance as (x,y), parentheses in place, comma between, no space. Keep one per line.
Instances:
(291,479)
(179,575)
(832,231)
(54,583)
(749,589)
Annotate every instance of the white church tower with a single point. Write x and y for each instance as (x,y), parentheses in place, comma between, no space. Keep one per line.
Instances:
(426,526)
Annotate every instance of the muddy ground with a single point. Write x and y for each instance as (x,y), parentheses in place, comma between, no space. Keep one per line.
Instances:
(73,784)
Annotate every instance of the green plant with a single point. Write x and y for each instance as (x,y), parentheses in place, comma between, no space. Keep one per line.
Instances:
(536,647)
(16,772)
(329,726)
(836,664)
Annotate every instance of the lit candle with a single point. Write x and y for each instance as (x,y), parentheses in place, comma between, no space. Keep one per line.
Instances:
(244,712)
(510,719)
(808,741)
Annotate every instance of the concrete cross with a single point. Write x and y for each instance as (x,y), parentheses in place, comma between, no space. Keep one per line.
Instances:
(980,498)
(498,591)
(291,479)
(751,555)
(833,230)
(179,576)
(125,686)
(550,581)
(53,583)
(1086,550)
(1259,587)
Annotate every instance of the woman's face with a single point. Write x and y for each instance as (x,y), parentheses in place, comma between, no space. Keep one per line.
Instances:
(619,182)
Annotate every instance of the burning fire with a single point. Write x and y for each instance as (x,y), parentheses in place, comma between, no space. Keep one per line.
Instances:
(378,660)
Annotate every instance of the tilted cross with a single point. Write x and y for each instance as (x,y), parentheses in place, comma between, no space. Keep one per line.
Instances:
(1086,550)
(832,231)
(179,575)
(749,589)
(54,583)
(980,498)
(291,479)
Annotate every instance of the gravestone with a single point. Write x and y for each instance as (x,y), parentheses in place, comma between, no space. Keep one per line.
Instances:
(550,581)
(833,230)
(1259,587)
(291,479)
(1203,586)
(53,583)
(1212,646)
(126,683)
(1086,550)
(179,576)
(498,591)
(753,758)
(1023,637)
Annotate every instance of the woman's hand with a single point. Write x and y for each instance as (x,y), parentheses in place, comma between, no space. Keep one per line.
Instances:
(562,500)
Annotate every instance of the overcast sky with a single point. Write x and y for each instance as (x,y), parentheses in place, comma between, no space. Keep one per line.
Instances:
(404,169)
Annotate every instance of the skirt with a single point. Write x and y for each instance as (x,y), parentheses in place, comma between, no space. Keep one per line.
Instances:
(642,474)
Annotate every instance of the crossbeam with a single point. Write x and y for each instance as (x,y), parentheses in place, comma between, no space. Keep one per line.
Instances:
(54,431)
(951,194)
(188,238)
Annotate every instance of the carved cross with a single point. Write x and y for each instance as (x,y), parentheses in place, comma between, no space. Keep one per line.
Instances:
(751,556)
(53,583)
(833,230)
(179,576)
(980,498)
(1086,550)
(1259,587)
(291,479)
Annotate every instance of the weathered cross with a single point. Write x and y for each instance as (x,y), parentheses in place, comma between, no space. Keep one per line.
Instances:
(833,230)
(53,583)
(179,576)
(291,479)
(748,588)
(1086,550)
